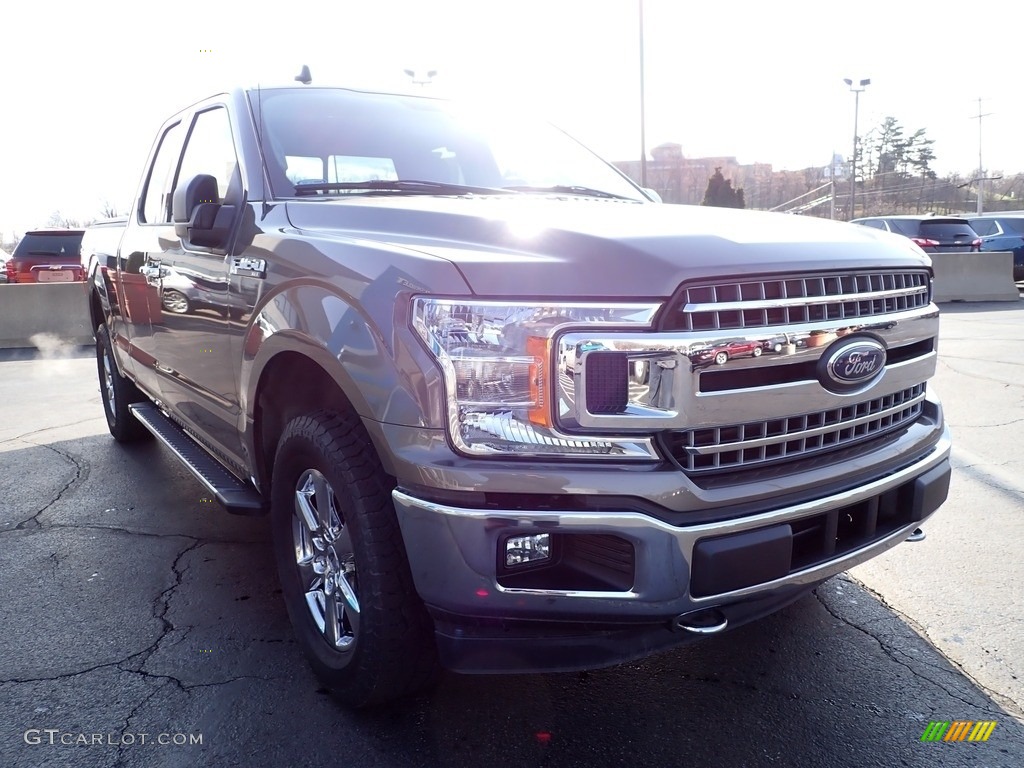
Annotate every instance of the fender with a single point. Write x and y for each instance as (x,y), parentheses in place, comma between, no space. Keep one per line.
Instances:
(358,351)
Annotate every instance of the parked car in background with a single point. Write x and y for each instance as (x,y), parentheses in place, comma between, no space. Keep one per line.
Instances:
(935,234)
(722,353)
(1003,232)
(47,256)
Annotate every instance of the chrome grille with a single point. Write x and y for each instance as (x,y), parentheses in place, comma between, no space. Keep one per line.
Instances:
(755,444)
(788,300)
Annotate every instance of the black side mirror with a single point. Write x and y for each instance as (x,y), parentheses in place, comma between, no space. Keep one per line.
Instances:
(199,218)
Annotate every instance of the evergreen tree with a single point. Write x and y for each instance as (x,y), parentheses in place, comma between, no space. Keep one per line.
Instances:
(720,193)
(890,152)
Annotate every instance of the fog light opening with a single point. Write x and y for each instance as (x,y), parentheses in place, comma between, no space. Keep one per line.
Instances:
(524,550)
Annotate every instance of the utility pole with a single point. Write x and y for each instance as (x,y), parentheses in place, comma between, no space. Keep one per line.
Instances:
(832,178)
(643,130)
(981,167)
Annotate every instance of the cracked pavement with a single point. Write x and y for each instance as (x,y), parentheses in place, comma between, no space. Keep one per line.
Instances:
(132,606)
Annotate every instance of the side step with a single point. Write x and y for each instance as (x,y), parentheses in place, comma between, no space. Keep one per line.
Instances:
(237,497)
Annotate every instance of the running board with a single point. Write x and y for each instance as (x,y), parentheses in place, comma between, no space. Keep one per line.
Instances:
(237,497)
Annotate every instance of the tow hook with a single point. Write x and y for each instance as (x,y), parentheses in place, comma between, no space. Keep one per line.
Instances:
(917,535)
(706,621)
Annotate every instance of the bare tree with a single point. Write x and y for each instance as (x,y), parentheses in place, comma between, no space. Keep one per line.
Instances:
(108,210)
(60,221)
(12,243)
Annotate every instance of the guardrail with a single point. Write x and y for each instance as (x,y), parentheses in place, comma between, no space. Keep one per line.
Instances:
(985,276)
(43,315)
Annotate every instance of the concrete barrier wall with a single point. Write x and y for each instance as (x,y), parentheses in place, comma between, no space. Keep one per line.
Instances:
(60,310)
(43,315)
(986,276)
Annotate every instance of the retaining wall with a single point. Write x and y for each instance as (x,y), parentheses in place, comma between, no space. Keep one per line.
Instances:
(44,315)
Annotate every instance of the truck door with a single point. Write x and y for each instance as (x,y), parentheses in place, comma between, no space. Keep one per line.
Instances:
(198,372)
(137,280)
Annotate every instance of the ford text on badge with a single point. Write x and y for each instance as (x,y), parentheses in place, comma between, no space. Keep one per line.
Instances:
(853,365)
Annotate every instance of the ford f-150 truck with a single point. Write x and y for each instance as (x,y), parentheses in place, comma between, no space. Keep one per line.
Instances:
(458,360)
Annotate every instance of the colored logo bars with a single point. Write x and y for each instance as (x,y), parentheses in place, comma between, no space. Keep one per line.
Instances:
(958,730)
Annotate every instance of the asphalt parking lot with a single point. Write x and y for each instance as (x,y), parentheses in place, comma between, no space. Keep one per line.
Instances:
(140,625)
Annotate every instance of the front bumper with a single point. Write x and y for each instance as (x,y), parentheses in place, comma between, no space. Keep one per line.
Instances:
(736,569)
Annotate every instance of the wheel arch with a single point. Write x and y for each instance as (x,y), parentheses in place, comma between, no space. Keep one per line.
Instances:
(294,383)
(311,345)
(97,315)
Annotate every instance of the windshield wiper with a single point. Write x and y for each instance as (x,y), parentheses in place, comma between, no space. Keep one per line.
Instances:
(407,186)
(573,189)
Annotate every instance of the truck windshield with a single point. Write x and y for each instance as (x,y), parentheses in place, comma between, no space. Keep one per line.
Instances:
(331,141)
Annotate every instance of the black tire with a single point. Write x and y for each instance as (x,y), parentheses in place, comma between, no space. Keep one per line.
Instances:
(757,351)
(176,302)
(117,393)
(382,646)
(721,358)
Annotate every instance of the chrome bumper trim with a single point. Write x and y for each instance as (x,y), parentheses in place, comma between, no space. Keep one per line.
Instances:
(437,533)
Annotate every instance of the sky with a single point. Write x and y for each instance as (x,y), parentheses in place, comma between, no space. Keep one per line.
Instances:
(86,86)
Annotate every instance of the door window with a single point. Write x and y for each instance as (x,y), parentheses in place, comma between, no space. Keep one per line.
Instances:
(156,199)
(211,150)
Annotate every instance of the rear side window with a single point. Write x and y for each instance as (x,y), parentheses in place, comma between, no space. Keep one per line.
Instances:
(874,224)
(985,227)
(155,198)
(1013,225)
(906,227)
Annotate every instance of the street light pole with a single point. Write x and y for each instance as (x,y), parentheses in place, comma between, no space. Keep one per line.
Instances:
(853,170)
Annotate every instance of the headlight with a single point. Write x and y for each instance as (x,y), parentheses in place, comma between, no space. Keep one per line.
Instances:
(496,360)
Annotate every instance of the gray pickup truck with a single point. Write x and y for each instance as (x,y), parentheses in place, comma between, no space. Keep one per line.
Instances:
(506,412)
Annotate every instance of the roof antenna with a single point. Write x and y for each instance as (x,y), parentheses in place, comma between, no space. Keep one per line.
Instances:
(304,77)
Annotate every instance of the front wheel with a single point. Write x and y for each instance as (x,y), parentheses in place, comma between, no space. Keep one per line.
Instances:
(342,563)
(176,302)
(117,393)
(721,358)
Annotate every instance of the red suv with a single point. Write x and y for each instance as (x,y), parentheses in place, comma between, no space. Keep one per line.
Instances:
(47,256)
(722,353)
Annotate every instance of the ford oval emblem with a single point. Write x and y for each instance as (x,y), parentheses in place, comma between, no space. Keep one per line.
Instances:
(851,364)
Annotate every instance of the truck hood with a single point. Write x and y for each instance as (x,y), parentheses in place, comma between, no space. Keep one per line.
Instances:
(529,245)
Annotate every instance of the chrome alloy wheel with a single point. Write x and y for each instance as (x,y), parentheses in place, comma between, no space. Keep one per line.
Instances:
(176,302)
(325,560)
(108,382)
